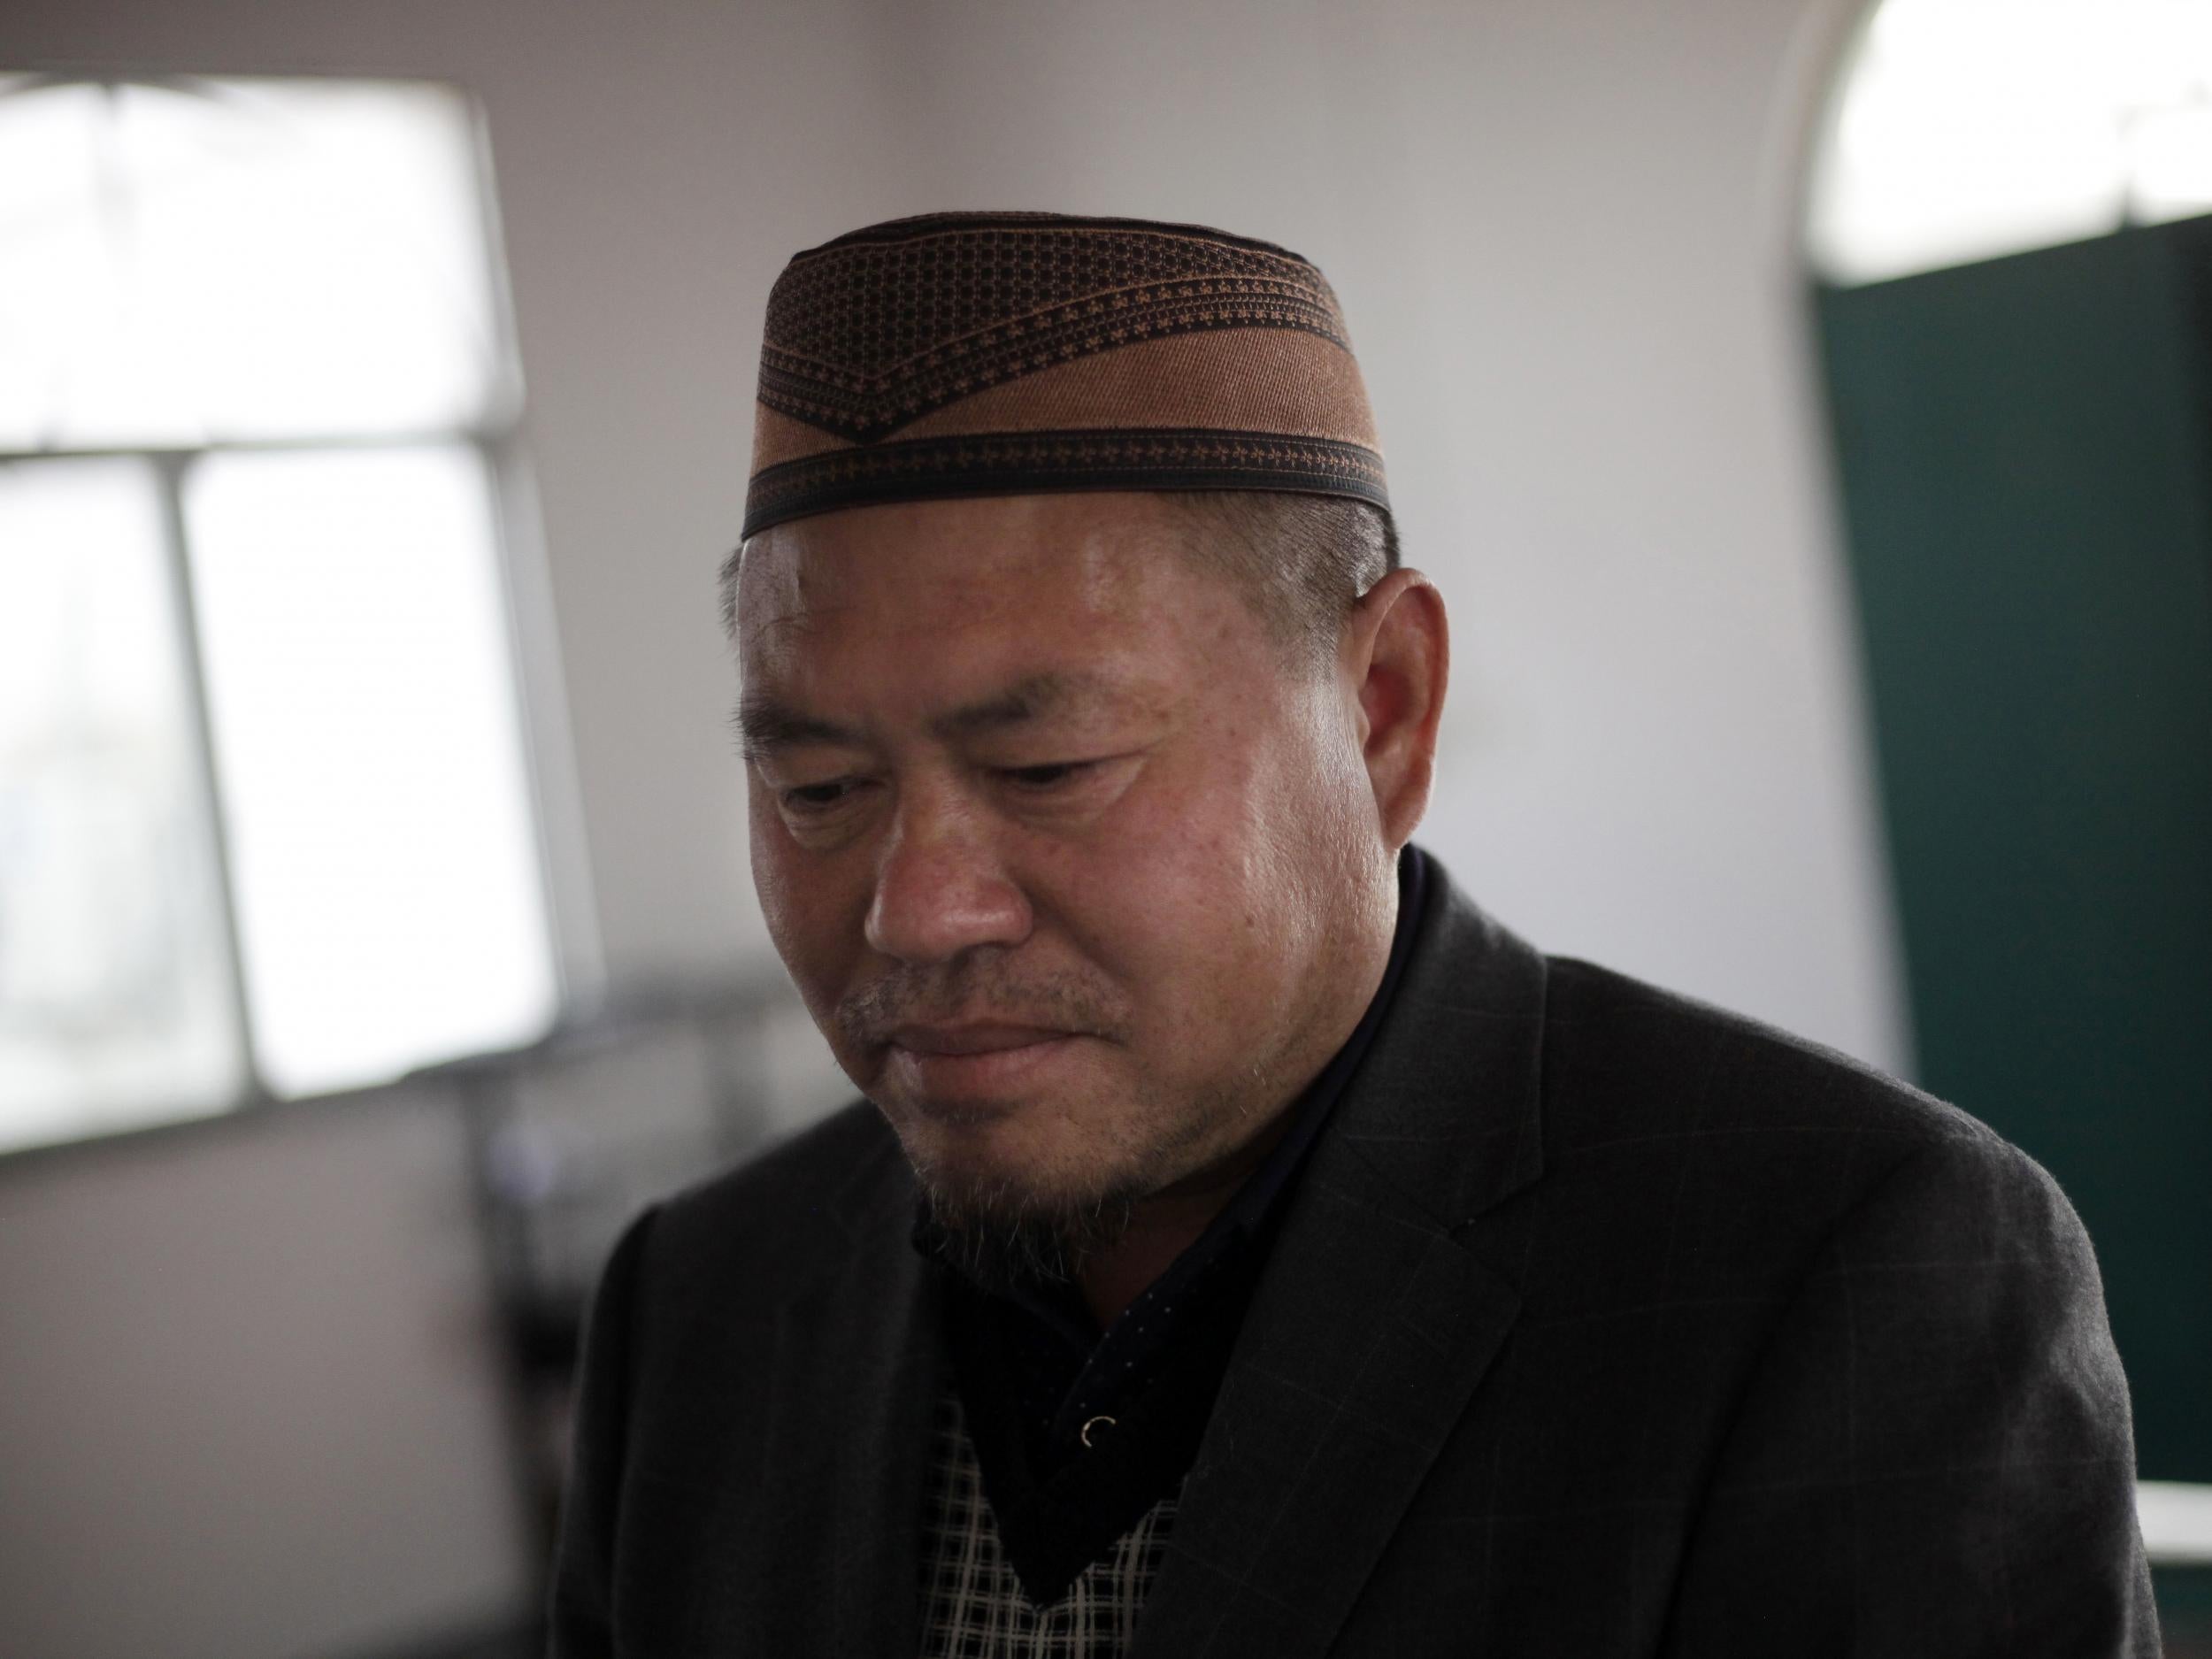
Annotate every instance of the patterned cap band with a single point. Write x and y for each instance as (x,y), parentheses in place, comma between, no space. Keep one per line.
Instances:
(1003,354)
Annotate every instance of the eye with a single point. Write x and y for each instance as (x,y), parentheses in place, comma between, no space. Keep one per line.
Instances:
(1046,776)
(818,797)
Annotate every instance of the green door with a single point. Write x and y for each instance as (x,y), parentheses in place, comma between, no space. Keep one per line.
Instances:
(2025,448)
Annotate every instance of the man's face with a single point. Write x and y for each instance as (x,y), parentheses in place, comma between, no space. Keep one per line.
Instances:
(1053,836)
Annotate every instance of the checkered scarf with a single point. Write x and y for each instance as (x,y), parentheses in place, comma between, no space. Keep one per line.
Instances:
(973,1603)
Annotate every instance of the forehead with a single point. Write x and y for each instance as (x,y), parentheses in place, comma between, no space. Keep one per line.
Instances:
(1019,585)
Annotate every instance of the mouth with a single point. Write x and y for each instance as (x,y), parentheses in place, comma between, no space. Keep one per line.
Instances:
(972,1038)
(964,1062)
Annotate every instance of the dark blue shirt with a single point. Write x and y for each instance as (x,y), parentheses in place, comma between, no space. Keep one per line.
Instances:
(1033,1367)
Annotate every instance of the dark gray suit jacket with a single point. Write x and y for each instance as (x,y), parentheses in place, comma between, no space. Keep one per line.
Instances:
(1601,1323)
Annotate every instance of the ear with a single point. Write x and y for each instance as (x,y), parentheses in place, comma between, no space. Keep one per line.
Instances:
(1396,658)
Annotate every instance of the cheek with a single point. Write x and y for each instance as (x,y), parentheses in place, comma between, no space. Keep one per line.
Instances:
(801,903)
(768,849)
(1191,904)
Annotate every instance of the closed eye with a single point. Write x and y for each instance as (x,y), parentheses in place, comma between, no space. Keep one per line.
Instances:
(816,797)
(1046,776)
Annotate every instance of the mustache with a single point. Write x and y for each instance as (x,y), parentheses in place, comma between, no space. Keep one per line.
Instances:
(1051,1001)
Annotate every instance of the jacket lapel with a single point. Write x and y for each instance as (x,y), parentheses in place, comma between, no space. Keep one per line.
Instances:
(883,1456)
(1372,1326)
(857,1369)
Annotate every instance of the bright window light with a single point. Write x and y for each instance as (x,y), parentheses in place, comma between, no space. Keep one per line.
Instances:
(2171,155)
(366,743)
(234,259)
(1967,129)
(114,994)
(267,821)
(368,753)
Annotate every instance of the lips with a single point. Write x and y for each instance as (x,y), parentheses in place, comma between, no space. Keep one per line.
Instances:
(974,1073)
(972,1038)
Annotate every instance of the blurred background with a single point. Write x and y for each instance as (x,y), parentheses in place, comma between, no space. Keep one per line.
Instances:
(1806,406)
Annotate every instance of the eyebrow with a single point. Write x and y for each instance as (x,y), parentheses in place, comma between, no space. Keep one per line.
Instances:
(768,725)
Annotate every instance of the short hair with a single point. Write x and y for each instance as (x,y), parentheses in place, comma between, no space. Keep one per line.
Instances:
(1301,562)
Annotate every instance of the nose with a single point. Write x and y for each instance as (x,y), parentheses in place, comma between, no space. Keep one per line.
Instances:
(942,888)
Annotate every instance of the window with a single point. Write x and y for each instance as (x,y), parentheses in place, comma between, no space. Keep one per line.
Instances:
(1966,129)
(266,807)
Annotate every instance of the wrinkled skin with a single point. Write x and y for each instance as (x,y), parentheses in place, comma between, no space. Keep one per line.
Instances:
(1082,876)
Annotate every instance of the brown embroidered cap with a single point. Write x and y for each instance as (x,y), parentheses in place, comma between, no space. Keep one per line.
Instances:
(1001,354)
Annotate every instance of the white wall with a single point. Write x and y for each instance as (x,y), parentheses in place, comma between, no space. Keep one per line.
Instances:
(247,1396)
(1560,229)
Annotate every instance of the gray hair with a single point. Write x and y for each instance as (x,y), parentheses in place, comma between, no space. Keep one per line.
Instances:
(1301,562)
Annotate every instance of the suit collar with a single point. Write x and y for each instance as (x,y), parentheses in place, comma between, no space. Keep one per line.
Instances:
(1373,1325)
(1446,1106)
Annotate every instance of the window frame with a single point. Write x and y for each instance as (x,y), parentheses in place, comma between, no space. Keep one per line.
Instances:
(496,439)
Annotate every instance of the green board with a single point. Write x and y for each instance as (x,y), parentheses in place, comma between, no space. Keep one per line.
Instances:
(2025,458)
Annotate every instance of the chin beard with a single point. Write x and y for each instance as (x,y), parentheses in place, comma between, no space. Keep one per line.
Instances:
(1002,1238)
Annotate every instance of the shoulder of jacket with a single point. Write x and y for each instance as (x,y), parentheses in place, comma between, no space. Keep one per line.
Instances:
(792,1199)
(1623,1055)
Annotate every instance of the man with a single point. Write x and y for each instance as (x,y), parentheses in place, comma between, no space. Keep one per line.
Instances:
(1246,1247)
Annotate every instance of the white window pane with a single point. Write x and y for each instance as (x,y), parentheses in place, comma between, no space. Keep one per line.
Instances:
(367,740)
(244,259)
(114,994)
(1966,129)
(2173,161)
(56,279)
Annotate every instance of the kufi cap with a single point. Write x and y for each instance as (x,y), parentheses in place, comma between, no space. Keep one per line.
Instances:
(1003,354)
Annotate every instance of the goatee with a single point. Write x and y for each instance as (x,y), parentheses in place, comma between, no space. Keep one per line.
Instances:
(1002,1243)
